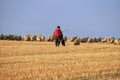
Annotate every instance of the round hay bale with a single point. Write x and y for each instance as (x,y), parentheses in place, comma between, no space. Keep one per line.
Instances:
(65,38)
(110,40)
(1,36)
(40,38)
(10,37)
(26,38)
(33,37)
(16,37)
(116,42)
(85,39)
(94,39)
(50,38)
(77,42)
(98,39)
(73,38)
(5,37)
(20,37)
(103,40)
(90,40)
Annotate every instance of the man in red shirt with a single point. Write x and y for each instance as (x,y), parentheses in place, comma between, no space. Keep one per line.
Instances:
(58,36)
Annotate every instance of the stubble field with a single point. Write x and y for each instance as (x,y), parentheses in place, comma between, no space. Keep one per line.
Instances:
(20,60)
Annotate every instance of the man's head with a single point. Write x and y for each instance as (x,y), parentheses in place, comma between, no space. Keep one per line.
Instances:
(58,26)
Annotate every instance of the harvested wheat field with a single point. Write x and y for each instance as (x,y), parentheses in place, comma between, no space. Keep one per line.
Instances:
(21,60)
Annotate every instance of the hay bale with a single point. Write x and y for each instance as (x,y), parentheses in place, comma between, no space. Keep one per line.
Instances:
(50,38)
(26,38)
(16,37)
(33,37)
(110,40)
(65,38)
(20,37)
(5,37)
(116,42)
(77,41)
(10,37)
(104,40)
(94,39)
(85,39)
(90,40)
(1,36)
(73,38)
(40,38)
(98,39)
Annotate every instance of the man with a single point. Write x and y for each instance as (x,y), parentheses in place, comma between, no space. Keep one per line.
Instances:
(58,36)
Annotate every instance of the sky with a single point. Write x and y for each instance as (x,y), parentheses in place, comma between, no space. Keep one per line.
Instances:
(100,18)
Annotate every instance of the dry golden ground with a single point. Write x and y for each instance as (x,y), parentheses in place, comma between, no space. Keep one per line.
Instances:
(20,60)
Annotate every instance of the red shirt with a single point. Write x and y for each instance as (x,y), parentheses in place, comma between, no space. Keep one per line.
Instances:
(57,32)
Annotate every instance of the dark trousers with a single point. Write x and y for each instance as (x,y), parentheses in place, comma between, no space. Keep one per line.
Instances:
(58,40)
